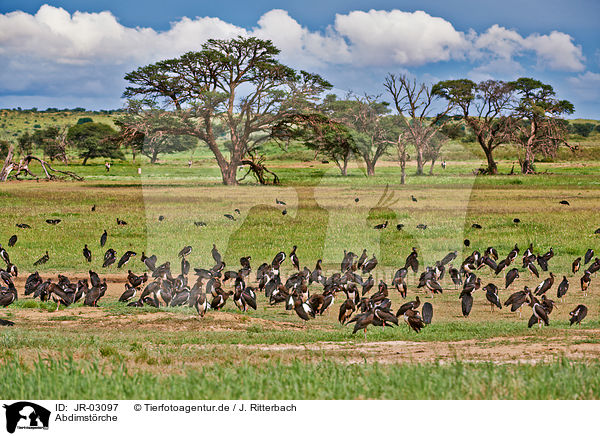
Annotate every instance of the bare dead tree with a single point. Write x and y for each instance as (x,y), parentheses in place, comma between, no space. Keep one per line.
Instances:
(22,167)
(415,104)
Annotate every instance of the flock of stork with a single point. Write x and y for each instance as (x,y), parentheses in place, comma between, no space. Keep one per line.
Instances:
(214,286)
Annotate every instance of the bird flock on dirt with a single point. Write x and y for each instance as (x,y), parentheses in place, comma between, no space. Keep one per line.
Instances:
(362,303)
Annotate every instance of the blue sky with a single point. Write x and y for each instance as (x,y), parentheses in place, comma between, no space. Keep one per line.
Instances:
(75,53)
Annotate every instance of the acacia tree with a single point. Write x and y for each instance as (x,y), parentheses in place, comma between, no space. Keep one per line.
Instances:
(94,140)
(53,142)
(321,134)
(364,117)
(536,123)
(415,105)
(485,108)
(235,87)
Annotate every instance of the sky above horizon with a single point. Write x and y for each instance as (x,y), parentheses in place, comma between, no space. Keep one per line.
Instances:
(75,53)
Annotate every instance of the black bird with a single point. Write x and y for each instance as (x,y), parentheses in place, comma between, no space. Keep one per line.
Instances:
(381,226)
(121,222)
(491,294)
(563,287)
(201,304)
(369,265)
(346,310)
(467,243)
(476,226)
(303,310)
(94,208)
(216,255)
(294,258)
(597,231)
(103,238)
(136,281)
(532,269)
(455,276)
(516,220)
(284,212)
(413,320)
(356,200)
(510,277)
(467,303)
(448,258)
(53,221)
(237,211)
(245,262)
(410,305)
(585,282)
(185,266)
(421,226)
(87,253)
(6,323)
(588,256)
(278,260)
(129,294)
(539,314)
(399,226)
(412,261)
(517,300)
(42,260)
(578,314)
(161,218)
(4,254)
(150,262)
(94,279)
(110,257)
(427,313)
(23,226)
(185,251)
(229,216)
(565,202)
(361,260)
(199,223)
(576,265)
(413,198)
(125,258)
(12,241)
(543,287)
(282,203)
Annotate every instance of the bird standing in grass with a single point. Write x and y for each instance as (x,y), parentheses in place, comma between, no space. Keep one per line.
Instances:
(110,257)
(42,260)
(294,258)
(563,287)
(103,238)
(578,314)
(585,283)
(491,294)
(87,253)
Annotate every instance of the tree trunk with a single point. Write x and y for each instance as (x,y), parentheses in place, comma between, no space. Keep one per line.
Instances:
(229,174)
(85,159)
(344,167)
(527,164)
(492,167)
(154,157)
(420,162)
(431,167)
(370,167)
(8,164)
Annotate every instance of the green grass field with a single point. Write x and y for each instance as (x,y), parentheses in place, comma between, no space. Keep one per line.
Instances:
(119,352)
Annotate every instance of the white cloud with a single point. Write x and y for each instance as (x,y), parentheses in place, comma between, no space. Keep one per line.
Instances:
(55,53)
(500,47)
(399,38)
(586,85)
